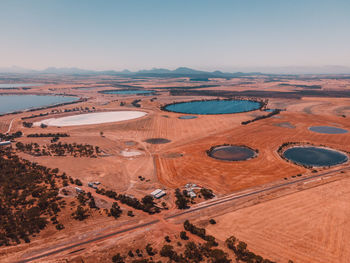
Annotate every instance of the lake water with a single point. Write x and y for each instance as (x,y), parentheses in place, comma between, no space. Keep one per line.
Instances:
(213,107)
(11,103)
(315,156)
(127,92)
(232,153)
(327,130)
(18,85)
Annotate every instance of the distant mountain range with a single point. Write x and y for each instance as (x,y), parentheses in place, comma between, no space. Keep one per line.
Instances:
(186,72)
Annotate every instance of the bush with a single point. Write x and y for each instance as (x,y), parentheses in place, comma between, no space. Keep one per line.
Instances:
(212,221)
(183,235)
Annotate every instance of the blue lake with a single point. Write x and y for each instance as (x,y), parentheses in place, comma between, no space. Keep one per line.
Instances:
(213,106)
(315,156)
(11,103)
(127,92)
(18,85)
(327,130)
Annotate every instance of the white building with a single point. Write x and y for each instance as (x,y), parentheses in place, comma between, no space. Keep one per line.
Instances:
(5,143)
(158,193)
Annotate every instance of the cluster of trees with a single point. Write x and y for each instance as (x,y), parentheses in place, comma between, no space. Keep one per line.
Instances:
(182,200)
(191,252)
(194,252)
(146,204)
(207,193)
(37,135)
(81,109)
(115,210)
(10,137)
(28,197)
(274,112)
(27,124)
(200,232)
(59,149)
(35,116)
(243,254)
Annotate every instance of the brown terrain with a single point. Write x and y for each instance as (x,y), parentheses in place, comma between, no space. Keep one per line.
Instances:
(282,210)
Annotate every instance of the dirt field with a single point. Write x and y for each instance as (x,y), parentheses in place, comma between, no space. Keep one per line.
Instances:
(308,226)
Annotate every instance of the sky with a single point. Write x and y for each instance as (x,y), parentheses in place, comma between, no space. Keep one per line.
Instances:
(208,35)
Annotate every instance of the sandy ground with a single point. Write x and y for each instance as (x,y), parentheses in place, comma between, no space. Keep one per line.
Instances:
(92,118)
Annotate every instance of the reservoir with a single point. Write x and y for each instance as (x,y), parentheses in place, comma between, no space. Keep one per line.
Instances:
(11,103)
(231,153)
(209,107)
(315,156)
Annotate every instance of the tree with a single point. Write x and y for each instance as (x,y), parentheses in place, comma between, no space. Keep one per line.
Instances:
(80,214)
(115,210)
(149,250)
(183,235)
(181,200)
(212,221)
(207,193)
(118,258)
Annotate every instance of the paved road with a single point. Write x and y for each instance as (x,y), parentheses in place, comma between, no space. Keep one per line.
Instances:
(88,241)
(191,210)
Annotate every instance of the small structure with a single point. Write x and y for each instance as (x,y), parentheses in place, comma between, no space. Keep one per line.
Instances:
(191,194)
(5,143)
(92,185)
(97,183)
(158,193)
(79,190)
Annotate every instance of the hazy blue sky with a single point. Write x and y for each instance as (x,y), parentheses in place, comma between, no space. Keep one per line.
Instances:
(201,34)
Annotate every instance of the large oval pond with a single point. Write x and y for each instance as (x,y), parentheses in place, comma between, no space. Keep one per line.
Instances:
(315,156)
(127,92)
(327,130)
(231,153)
(208,107)
(12,103)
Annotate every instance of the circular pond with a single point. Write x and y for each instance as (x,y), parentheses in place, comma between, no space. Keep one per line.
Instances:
(314,156)
(157,141)
(127,92)
(207,107)
(327,130)
(187,117)
(231,153)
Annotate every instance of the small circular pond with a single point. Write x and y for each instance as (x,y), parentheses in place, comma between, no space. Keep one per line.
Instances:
(231,153)
(187,117)
(207,107)
(327,130)
(314,156)
(127,91)
(157,140)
